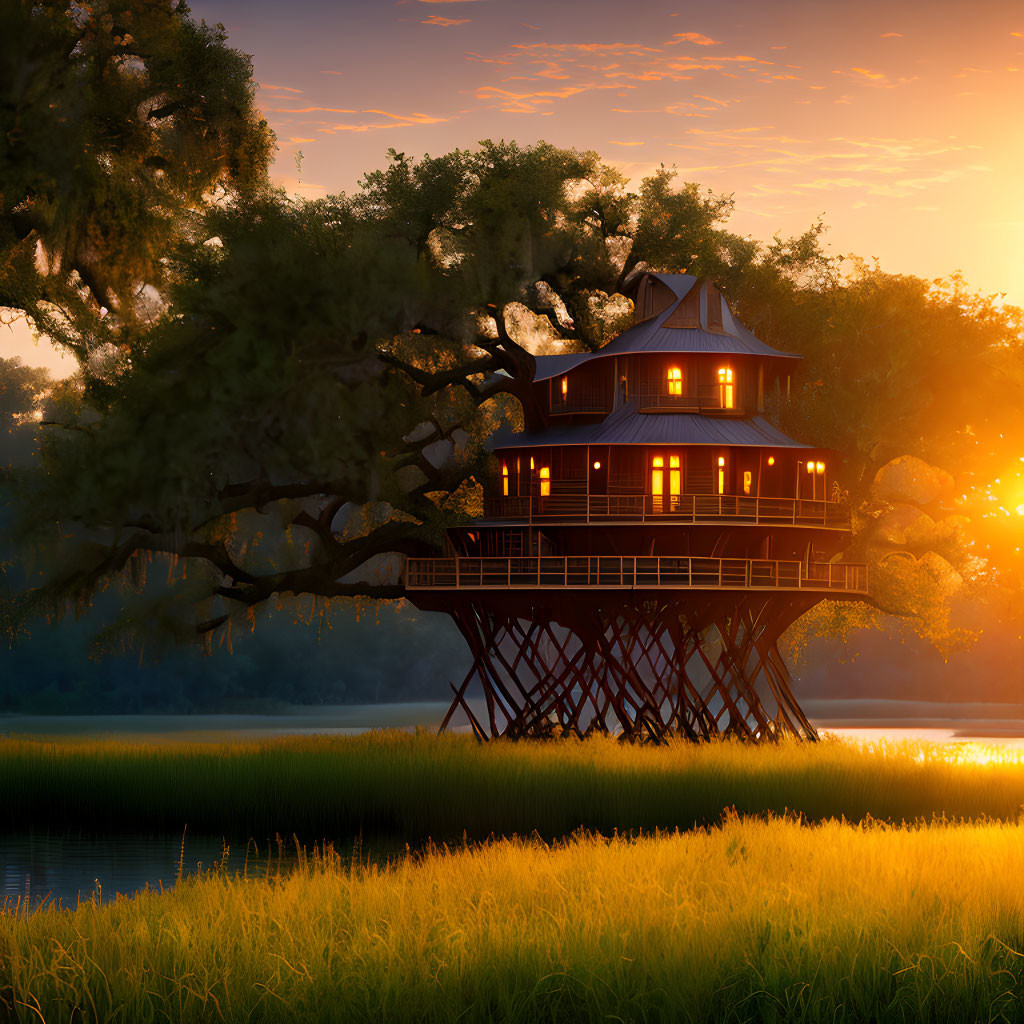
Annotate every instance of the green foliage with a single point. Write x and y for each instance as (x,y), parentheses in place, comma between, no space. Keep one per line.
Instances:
(118,119)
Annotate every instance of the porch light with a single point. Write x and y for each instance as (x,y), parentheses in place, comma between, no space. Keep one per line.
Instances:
(771,460)
(820,467)
(597,465)
(810,467)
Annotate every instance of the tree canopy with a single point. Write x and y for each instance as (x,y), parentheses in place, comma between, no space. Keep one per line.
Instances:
(280,398)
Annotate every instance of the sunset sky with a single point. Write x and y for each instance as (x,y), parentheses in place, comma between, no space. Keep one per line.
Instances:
(899,122)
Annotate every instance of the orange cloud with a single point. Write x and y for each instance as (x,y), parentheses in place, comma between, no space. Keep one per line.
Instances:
(310,110)
(436,19)
(616,142)
(891,35)
(693,37)
(281,88)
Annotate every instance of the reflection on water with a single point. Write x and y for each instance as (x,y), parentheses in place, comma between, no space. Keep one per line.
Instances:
(73,868)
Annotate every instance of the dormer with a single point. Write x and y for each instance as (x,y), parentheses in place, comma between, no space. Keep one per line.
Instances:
(653,297)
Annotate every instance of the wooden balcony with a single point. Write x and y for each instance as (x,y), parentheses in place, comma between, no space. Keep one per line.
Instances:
(693,509)
(709,400)
(612,572)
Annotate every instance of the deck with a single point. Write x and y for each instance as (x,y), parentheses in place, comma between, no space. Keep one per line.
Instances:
(613,572)
(691,509)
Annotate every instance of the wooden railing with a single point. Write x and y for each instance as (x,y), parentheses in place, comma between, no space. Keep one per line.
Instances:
(632,572)
(709,398)
(682,508)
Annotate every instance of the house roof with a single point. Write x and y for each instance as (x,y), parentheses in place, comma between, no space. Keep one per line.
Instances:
(628,425)
(653,335)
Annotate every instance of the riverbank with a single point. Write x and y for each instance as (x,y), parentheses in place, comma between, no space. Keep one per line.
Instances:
(753,920)
(407,787)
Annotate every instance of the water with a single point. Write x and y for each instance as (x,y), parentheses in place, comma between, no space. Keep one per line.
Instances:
(72,867)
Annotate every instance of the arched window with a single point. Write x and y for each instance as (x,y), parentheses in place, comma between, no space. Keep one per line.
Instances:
(726,388)
(675,381)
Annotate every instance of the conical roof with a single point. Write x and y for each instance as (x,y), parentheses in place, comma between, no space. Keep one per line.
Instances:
(696,319)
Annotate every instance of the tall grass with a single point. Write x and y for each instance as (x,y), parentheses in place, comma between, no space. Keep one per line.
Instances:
(411,786)
(752,921)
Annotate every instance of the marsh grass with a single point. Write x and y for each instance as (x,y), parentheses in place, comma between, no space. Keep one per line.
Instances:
(753,920)
(407,787)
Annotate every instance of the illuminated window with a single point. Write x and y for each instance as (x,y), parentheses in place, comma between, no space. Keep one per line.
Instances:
(748,479)
(545,481)
(504,479)
(565,386)
(819,467)
(721,474)
(674,479)
(658,481)
(675,381)
(810,467)
(727,388)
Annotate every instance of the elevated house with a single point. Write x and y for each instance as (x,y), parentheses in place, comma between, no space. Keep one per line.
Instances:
(642,552)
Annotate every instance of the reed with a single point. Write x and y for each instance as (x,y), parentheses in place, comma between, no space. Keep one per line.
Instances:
(754,920)
(407,787)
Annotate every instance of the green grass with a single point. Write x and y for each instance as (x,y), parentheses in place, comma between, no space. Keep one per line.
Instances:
(409,787)
(755,920)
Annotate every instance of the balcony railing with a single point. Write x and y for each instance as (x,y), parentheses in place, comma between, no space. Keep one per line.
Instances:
(710,398)
(580,572)
(681,508)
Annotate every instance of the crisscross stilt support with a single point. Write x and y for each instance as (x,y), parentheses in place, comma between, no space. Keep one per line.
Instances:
(645,671)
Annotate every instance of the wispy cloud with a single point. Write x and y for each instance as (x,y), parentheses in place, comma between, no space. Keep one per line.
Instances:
(436,19)
(277,88)
(697,38)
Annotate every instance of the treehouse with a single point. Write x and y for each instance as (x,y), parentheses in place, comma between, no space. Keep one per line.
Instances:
(642,551)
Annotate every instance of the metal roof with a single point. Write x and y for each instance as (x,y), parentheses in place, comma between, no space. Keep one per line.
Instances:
(651,336)
(630,426)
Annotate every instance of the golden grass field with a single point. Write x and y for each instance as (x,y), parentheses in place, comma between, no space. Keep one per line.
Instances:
(749,919)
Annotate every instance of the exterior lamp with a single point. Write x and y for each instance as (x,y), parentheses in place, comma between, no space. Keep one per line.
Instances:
(771,460)
(820,467)
(597,465)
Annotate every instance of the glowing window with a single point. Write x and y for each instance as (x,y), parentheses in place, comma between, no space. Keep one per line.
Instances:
(819,467)
(565,386)
(531,463)
(721,474)
(748,479)
(504,479)
(810,467)
(675,381)
(674,477)
(727,388)
(658,481)
(545,481)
